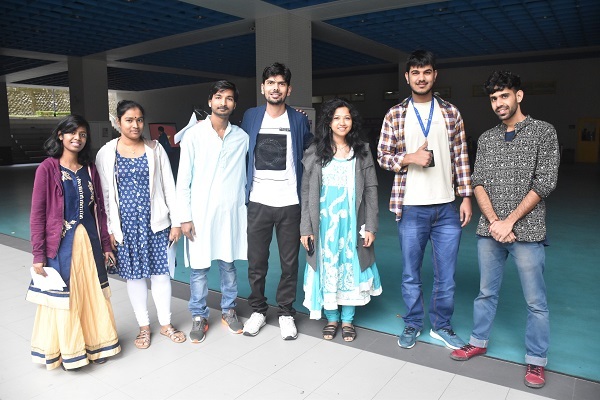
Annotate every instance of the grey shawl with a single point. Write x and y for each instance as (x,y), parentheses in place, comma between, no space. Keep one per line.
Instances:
(367,208)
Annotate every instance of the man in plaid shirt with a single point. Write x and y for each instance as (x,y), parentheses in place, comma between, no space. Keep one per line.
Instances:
(423,141)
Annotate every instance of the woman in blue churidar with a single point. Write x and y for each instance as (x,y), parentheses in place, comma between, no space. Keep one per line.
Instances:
(140,201)
(340,216)
(75,325)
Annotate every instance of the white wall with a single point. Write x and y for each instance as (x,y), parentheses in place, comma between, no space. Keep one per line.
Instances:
(577,83)
(176,104)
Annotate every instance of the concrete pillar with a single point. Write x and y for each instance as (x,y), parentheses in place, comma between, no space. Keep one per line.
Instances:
(5,141)
(287,39)
(88,90)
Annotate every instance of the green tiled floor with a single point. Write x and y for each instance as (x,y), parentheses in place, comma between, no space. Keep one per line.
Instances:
(572,272)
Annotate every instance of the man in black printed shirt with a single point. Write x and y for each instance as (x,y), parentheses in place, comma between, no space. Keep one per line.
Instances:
(515,170)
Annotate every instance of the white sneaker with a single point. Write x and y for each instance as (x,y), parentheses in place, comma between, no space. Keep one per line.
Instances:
(288,328)
(254,323)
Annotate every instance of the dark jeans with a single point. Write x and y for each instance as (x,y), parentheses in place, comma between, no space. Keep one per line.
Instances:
(261,220)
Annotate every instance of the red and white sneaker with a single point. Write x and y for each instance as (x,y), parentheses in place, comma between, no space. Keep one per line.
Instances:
(466,352)
(534,377)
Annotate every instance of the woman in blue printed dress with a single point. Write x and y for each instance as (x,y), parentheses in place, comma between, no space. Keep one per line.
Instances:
(73,325)
(339,220)
(140,200)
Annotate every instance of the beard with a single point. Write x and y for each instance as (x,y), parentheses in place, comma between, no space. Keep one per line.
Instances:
(511,111)
(277,101)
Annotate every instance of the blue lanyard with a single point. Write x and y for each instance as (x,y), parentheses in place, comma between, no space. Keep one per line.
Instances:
(425,130)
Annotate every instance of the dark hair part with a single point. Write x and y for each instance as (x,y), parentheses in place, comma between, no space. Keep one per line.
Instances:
(53,146)
(500,80)
(223,85)
(324,136)
(277,69)
(419,59)
(125,105)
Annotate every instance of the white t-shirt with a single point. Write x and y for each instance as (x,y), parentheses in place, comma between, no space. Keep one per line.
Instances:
(274,182)
(432,185)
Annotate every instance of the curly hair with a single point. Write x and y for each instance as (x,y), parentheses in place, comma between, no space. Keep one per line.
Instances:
(323,139)
(53,146)
(500,80)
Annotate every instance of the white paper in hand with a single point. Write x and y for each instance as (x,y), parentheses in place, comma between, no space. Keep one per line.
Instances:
(172,257)
(51,282)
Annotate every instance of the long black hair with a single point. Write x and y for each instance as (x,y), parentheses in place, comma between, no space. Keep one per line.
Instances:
(53,146)
(324,135)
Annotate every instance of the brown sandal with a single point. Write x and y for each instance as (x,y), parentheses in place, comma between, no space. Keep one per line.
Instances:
(348,333)
(173,334)
(142,341)
(330,330)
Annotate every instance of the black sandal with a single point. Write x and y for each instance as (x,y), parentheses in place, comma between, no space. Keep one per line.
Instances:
(330,330)
(348,333)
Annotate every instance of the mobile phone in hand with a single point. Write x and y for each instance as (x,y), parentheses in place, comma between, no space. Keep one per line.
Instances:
(311,247)
(432,163)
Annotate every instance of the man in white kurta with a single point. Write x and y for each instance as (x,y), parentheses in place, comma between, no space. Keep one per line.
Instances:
(210,191)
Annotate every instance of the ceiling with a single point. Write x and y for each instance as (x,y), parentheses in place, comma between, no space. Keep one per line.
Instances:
(151,44)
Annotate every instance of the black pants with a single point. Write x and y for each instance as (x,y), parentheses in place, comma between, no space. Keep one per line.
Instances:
(261,220)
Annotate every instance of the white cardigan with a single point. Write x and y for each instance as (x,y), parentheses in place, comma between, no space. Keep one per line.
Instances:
(163,204)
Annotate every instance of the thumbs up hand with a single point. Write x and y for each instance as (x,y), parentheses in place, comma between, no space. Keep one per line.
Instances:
(422,156)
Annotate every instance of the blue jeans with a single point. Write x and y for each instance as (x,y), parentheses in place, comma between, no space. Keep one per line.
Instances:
(530,259)
(439,223)
(199,289)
